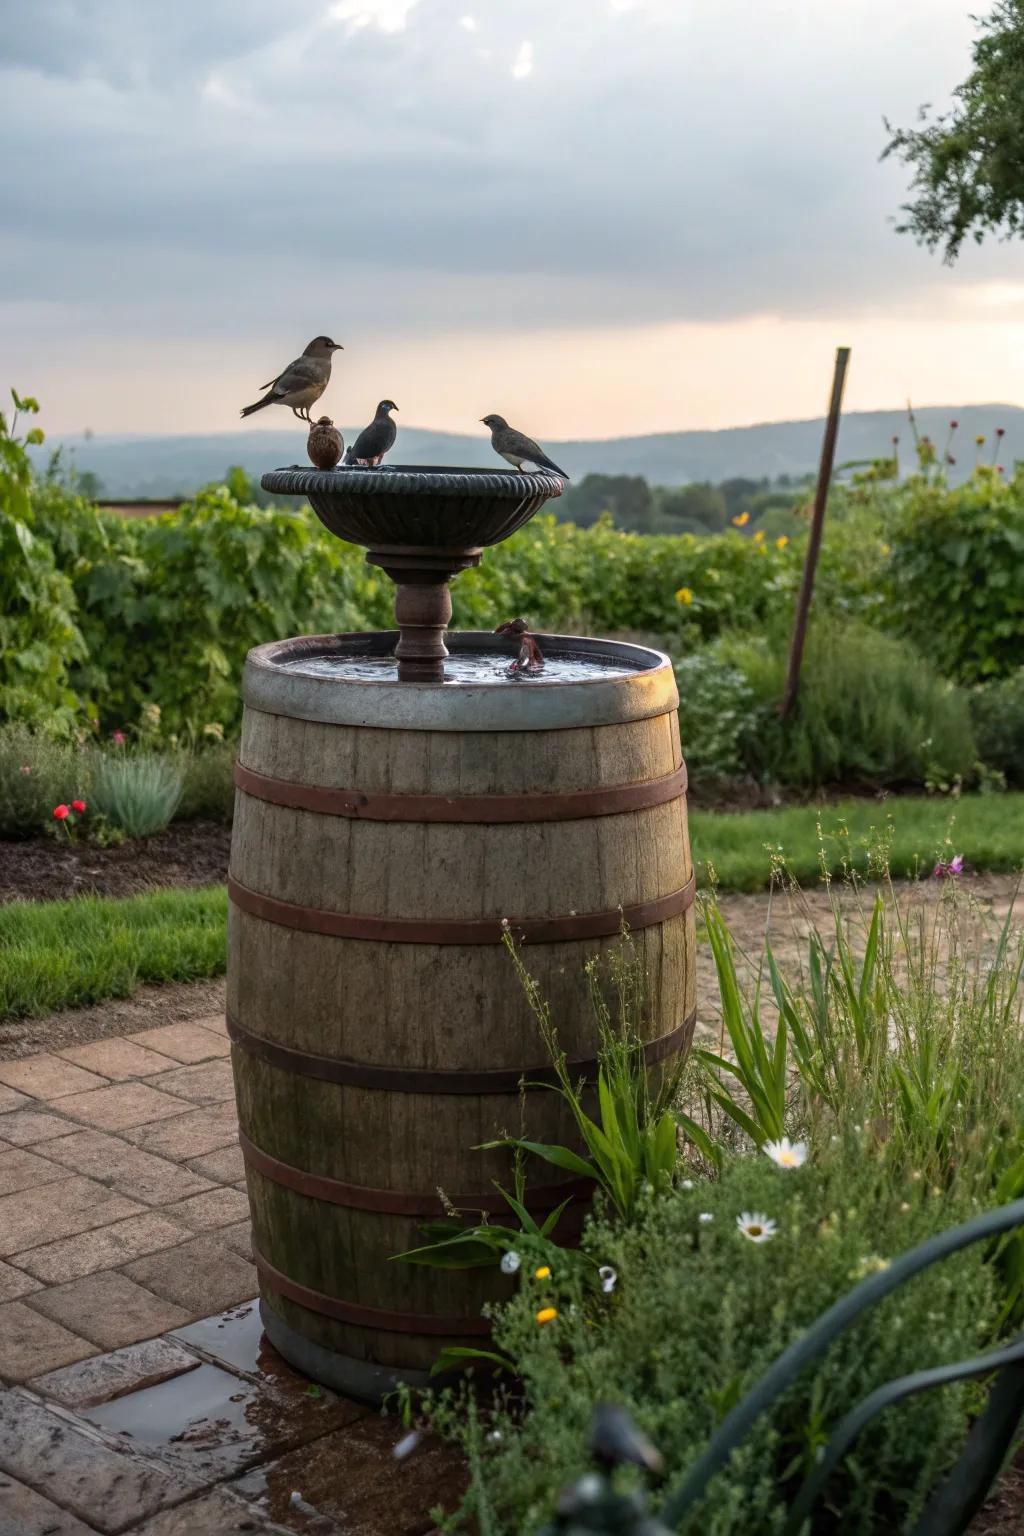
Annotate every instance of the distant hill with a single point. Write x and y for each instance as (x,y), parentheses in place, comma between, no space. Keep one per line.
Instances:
(171,466)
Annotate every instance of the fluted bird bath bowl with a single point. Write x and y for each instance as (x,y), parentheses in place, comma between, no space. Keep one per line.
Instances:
(421,526)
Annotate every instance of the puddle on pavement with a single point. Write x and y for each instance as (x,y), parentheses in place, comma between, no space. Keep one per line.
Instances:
(216,1423)
(351,1478)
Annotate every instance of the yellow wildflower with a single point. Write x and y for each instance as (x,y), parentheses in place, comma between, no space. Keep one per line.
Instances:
(546,1315)
(782,541)
(742,520)
(543,1273)
(886,549)
(684,596)
(759,536)
(980,439)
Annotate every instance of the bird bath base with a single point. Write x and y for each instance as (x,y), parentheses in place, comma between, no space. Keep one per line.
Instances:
(421,527)
(423,605)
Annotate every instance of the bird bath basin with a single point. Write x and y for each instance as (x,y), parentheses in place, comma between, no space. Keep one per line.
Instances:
(421,527)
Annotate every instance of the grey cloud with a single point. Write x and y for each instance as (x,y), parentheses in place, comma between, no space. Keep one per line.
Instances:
(669,161)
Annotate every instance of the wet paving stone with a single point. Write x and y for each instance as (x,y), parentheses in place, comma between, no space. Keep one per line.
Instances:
(352,1478)
(23,1512)
(106,1377)
(108,1309)
(212,1424)
(103,1487)
(235,1339)
(215,1514)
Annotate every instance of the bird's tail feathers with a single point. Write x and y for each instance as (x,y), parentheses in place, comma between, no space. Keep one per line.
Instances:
(257,406)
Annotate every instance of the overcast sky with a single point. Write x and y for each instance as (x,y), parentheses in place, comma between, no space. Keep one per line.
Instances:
(595,216)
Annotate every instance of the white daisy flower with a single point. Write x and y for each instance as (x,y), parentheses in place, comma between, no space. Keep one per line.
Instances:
(510,1262)
(607,1277)
(686,1184)
(705,1218)
(786,1153)
(756,1226)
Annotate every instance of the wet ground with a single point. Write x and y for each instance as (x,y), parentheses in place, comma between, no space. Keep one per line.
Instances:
(45,869)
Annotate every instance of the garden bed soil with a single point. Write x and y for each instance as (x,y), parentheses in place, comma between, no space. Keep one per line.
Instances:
(46,869)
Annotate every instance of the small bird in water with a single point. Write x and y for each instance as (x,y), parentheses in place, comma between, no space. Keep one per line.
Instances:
(375,440)
(303,381)
(325,444)
(529,657)
(518,449)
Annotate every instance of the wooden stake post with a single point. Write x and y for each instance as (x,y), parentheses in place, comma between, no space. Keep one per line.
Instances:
(803,606)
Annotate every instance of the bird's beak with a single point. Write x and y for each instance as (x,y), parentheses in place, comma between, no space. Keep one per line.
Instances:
(338,347)
(481,421)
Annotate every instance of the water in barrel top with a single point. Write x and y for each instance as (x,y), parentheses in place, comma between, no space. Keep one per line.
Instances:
(464,667)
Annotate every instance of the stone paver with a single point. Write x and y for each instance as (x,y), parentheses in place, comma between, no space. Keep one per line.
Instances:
(47,1077)
(30,1343)
(23,1170)
(125,1168)
(104,1377)
(9,1099)
(215,1021)
(202,1276)
(208,1082)
(217,1208)
(217,1513)
(13,1283)
(23,1512)
(103,1248)
(105,1487)
(26,1127)
(117,1059)
(57,1209)
(185,1042)
(238,1238)
(122,1106)
(225,1166)
(189,1135)
(108,1309)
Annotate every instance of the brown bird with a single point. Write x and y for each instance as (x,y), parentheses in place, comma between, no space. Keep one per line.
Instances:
(375,440)
(325,444)
(303,381)
(516,448)
(529,657)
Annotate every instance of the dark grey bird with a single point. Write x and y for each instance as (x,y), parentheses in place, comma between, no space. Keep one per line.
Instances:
(303,381)
(375,440)
(518,449)
(615,1439)
(325,444)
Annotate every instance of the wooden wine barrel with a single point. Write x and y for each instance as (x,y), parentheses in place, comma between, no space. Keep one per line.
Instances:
(382,834)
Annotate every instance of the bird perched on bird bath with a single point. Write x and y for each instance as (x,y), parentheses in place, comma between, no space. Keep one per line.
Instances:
(325,444)
(529,657)
(375,440)
(303,381)
(518,449)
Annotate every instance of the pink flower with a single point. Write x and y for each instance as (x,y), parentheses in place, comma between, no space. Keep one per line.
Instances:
(78,805)
(61,812)
(938,871)
(1000,431)
(25,768)
(118,738)
(956,865)
(953,426)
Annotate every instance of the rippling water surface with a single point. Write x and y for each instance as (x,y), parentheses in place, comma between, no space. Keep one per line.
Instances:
(461,669)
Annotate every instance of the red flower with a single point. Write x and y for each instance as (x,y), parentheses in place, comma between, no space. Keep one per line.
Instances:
(953,425)
(78,805)
(118,738)
(61,812)
(1000,431)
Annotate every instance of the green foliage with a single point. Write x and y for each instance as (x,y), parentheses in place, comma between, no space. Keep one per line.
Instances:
(968,164)
(208,793)
(698,1314)
(66,954)
(36,773)
(138,793)
(717,710)
(956,585)
(38,632)
(872,713)
(997,711)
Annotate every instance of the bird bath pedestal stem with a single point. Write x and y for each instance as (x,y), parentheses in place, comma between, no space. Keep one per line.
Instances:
(423,605)
(421,527)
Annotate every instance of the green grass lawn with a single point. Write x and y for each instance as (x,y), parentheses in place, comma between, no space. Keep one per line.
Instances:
(987,829)
(63,954)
